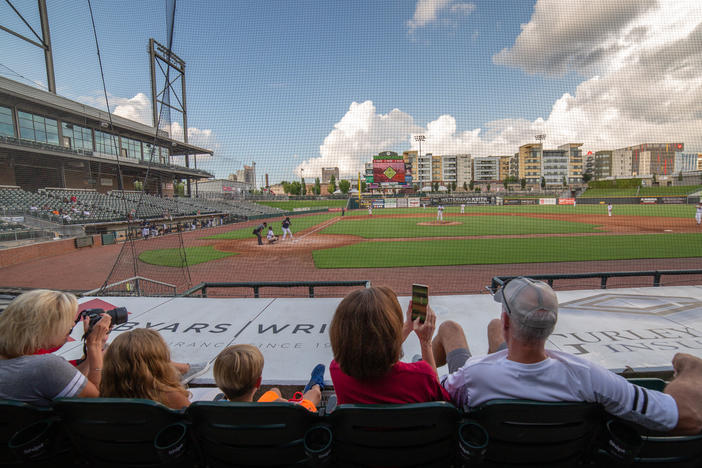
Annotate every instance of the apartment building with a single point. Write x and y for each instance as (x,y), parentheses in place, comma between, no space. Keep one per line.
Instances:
(529,162)
(504,171)
(603,164)
(554,166)
(687,162)
(486,169)
(575,161)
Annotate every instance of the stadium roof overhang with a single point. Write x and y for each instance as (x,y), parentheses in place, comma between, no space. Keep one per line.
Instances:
(55,106)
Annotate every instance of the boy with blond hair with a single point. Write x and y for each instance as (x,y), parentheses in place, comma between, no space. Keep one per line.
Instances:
(238,370)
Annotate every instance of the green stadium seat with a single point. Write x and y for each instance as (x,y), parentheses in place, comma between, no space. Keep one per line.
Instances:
(35,432)
(119,432)
(649,383)
(533,433)
(422,434)
(251,434)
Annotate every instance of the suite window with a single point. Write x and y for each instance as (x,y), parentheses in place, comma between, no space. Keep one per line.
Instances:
(105,143)
(6,126)
(38,128)
(77,137)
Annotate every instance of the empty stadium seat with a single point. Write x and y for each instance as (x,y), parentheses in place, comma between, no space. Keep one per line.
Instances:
(251,434)
(422,434)
(119,432)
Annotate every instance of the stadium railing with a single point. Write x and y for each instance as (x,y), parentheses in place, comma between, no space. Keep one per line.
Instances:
(133,432)
(499,281)
(256,286)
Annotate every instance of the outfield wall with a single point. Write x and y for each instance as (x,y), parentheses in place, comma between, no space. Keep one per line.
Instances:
(637,328)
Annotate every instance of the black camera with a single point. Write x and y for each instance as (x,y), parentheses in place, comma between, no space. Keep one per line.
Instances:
(119,315)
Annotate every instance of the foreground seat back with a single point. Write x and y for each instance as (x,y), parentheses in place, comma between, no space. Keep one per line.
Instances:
(250,434)
(534,433)
(16,416)
(111,432)
(670,451)
(422,434)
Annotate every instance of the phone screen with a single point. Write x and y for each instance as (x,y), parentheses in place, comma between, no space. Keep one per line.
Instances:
(420,299)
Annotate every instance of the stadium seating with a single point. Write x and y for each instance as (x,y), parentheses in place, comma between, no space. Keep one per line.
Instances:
(132,432)
(251,434)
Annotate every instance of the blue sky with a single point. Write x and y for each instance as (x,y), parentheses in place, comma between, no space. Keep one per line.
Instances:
(307,84)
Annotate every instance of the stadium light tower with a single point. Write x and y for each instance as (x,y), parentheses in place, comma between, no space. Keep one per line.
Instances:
(419,139)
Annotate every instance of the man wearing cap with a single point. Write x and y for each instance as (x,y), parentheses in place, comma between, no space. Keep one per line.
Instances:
(520,367)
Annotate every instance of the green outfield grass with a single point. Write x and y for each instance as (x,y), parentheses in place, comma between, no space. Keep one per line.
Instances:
(642,192)
(673,211)
(509,251)
(173,258)
(375,228)
(298,224)
(289,205)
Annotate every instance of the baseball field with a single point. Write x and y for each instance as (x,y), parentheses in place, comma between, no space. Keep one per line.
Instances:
(401,246)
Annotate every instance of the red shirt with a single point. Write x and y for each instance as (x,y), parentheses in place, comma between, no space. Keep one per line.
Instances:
(404,383)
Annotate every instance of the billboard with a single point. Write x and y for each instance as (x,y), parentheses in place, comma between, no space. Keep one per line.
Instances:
(388,170)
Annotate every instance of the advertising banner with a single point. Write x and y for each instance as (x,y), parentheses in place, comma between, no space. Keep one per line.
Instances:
(673,200)
(565,201)
(520,201)
(413,202)
(379,203)
(402,203)
(649,201)
(552,201)
(391,203)
(227,189)
(465,200)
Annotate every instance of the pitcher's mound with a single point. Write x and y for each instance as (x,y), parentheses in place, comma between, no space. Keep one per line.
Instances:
(439,223)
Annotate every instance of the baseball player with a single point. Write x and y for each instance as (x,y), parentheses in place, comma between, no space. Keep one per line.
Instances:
(609,209)
(259,229)
(698,214)
(463,207)
(286,227)
(370,210)
(440,213)
(271,235)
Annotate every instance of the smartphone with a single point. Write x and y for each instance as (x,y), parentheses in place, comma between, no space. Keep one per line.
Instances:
(420,299)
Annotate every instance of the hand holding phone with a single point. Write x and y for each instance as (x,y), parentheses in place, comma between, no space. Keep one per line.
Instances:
(420,300)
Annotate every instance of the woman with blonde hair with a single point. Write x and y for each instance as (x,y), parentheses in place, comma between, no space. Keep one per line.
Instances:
(41,321)
(366,334)
(138,365)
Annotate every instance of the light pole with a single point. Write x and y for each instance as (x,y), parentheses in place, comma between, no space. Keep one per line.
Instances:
(419,139)
(302,180)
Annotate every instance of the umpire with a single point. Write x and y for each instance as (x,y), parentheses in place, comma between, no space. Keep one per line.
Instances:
(259,229)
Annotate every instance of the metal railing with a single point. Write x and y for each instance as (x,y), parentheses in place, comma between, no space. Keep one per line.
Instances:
(256,286)
(135,286)
(499,281)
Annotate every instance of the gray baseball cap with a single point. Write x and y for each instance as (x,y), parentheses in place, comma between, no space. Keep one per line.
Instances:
(532,303)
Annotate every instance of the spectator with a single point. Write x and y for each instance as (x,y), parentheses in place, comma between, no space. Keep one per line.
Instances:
(73,199)
(33,326)
(522,368)
(238,370)
(138,365)
(366,336)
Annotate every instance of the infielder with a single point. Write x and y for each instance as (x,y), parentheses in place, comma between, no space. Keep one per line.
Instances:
(463,208)
(286,227)
(370,210)
(440,213)
(609,209)
(698,214)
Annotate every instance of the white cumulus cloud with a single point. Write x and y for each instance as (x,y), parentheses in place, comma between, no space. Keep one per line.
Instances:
(430,11)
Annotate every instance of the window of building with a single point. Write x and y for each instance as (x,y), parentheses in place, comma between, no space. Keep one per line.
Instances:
(105,143)
(131,148)
(77,137)
(6,126)
(38,128)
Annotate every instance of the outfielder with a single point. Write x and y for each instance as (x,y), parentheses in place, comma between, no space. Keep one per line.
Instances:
(609,209)
(286,227)
(370,210)
(463,207)
(440,213)
(698,214)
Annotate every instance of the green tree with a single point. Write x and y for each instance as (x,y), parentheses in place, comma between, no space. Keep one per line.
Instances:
(332,184)
(506,183)
(453,185)
(435,187)
(680,177)
(543,182)
(344,186)
(294,188)
(565,181)
(587,177)
(488,187)
(472,184)
(522,182)
(364,186)
(317,187)
(654,180)
(465,186)
(303,186)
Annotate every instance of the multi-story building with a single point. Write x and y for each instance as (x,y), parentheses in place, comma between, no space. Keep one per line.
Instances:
(436,172)
(589,164)
(554,166)
(687,162)
(575,162)
(603,164)
(247,175)
(654,158)
(621,163)
(514,166)
(486,169)
(464,173)
(529,160)
(328,172)
(504,167)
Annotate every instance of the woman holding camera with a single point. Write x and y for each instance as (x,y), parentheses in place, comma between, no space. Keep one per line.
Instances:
(366,336)
(33,326)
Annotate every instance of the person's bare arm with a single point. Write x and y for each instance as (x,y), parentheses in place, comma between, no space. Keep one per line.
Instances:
(686,389)
(425,332)
(89,391)
(94,343)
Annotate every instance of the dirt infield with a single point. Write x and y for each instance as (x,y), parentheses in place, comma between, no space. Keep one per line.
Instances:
(292,261)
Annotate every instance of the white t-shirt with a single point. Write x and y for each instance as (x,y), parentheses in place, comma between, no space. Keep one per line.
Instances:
(270,235)
(561,377)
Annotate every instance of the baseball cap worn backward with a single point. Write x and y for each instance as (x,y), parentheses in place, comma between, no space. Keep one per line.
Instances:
(532,303)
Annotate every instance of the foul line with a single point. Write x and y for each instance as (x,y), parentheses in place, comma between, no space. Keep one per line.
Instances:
(319,228)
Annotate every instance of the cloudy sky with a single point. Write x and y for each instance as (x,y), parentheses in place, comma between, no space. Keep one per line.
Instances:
(309,84)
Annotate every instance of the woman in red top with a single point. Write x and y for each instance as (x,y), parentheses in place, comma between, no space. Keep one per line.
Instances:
(366,336)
